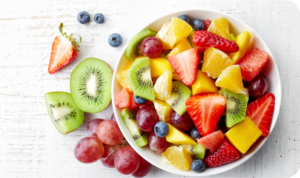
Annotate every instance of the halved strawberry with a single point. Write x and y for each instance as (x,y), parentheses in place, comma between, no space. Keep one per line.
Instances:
(206,110)
(64,51)
(206,23)
(186,64)
(123,99)
(225,154)
(205,39)
(261,112)
(211,141)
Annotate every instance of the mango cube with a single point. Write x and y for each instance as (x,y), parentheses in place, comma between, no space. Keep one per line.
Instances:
(180,47)
(159,66)
(178,30)
(175,136)
(242,41)
(164,110)
(243,135)
(203,84)
(162,35)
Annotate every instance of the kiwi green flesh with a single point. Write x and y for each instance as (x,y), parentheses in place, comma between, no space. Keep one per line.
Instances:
(139,78)
(190,38)
(132,45)
(236,107)
(180,93)
(128,117)
(196,151)
(91,85)
(63,113)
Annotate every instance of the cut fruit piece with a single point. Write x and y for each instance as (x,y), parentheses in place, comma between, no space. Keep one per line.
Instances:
(163,86)
(162,35)
(243,135)
(196,151)
(206,110)
(203,84)
(128,118)
(90,84)
(214,62)
(186,65)
(63,113)
(178,30)
(175,76)
(252,63)
(134,105)
(236,106)
(164,110)
(139,78)
(206,23)
(177,157)
(180,47)
(225,154)
(122,77)
(212,141)
(242,40)
(231,78)
(180,93)
(159,66)
(261,112)
(220,27)
(134,43)
(190,38)
(232,37)
(123,99)
(176,136)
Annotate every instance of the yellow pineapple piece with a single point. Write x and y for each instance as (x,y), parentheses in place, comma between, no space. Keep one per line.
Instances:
(180,47)
(163,86)
(162,35)
(122,77)
(220,27)
(242,41)
(203,84)
(231,78)
(163,109)
(178,158)
(178,30)
(214,62)
(159,66)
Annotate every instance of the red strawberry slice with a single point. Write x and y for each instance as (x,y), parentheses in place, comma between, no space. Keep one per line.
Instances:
(206,23)
(205,39)
(261,112)
(252,63)
(64,51)
(123,98)
(186,64)
(211,141)
(225,154)
(206,110)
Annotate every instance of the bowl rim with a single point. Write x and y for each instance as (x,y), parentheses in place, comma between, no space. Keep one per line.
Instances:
(278,99)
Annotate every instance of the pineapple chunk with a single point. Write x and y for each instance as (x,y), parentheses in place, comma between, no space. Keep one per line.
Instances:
(178,30)
(159,66)
(122,77)
(231,78)
(163,86)
(220,27)
(162,35)
(163,109)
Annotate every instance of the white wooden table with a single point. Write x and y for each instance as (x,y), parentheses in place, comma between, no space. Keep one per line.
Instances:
(31,147)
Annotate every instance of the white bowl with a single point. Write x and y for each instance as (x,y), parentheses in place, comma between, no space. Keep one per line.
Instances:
(270,71)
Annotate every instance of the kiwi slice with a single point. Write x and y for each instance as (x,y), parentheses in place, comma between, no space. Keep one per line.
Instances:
(180,93)
(196,151)
(91,85)
(63,113)
(236,107)
(132,46)
(190,38)
(128,118)
(139,78)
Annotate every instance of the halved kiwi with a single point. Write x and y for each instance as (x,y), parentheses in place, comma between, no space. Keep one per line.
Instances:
(63,113)
(91,85)
(180,93)
(139,78)
(236,107)
(196,151)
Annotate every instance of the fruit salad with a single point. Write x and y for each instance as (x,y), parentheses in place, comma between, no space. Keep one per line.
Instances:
(193,92)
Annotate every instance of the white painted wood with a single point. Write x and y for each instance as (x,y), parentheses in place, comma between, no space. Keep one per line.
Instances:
(30,146)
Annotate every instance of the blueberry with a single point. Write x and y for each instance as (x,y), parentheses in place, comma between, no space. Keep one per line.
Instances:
(99,18)
(198,24)
(83,17)
(198,165)
(161,129)
(195,133)
(185,18)
(115,40)
(139,100)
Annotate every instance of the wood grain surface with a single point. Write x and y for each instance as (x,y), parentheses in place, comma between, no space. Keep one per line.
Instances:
(30,146)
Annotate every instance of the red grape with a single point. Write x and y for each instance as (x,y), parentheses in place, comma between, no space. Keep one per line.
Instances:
(143,169)
(183,123)
(258,87)
(92,127)
(109,132)
(88,150)
(157,144)
(109,155)
(126,160)
(146,118)
(151,47)
(113,118)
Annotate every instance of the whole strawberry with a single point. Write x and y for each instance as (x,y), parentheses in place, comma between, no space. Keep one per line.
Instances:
(64,51)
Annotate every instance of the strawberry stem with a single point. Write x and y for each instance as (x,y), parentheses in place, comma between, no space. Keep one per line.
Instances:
(75,44)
